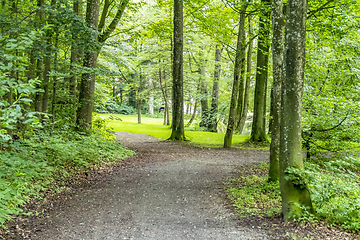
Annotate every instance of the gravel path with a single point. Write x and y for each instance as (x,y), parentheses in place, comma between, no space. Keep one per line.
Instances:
(167,191)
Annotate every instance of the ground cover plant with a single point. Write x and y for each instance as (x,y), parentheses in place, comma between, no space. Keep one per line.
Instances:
(44,161)
(333,184)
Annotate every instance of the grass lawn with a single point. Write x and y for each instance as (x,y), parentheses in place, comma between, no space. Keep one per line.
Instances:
(155,127)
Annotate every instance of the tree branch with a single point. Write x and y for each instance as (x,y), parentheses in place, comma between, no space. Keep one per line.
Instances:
(312,13)
(103,15)
(105,35)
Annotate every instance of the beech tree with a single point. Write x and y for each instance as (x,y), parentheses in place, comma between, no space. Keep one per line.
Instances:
(278,26)
(177,90)
(295,193)
(86,96)
(258,131)
(240,57)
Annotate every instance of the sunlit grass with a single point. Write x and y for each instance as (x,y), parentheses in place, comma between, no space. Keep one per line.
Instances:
(155,128)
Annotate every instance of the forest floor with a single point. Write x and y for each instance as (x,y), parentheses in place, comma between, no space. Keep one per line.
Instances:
(167,190)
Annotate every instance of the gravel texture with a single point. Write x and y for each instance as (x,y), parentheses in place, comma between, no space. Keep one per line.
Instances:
(166,191)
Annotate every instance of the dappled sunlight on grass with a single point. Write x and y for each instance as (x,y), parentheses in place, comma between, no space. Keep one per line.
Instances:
(155,127)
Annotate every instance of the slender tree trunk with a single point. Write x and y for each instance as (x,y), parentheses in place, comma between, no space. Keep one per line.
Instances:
(240,101)
(86,97)
(151,98)
(53,102)
(278,26)
(163,90)
(139,110)
(167,106)
(258,131)
(203,96)
(177,98)
(248,79)
(193,114)
(74,59)
(215,91)
(295,196)
(235,89)
(39,63)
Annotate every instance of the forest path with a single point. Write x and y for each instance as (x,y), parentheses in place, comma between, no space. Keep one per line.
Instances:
(167,191)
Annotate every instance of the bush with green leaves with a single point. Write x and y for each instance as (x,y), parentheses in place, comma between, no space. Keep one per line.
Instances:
(33,164)
(117,108)
(335,190)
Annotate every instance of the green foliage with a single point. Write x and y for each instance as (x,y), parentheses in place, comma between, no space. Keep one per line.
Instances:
(118,108)
(253,195)
(34,164)
(335,190)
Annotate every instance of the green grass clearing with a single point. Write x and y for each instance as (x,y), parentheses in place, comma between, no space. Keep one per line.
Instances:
(155,128)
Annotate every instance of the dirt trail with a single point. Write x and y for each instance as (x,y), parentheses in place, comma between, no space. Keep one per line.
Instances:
(168,191)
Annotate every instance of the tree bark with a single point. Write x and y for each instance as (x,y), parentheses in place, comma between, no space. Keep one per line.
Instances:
(215,91)
(258,132)
(278,27)
(235,88)
(40,62)
(74,59)
(203,96)
(53,101)
(86,97)
(167,109)
(177,96)
(47,62)
(294,195)
(87,88)
(248,79)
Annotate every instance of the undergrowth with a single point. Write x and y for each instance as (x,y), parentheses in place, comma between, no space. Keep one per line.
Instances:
(334,186)
(34,165)
(251,194)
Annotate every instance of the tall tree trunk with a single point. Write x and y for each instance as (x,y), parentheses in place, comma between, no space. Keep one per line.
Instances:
(193,114)
(164,93)
(240,101)
(258,131)
(248,79)
(167,107)
(139,110)
(53,101)
(74,59)
(177,96)
(295,196)
(151,97)
(203,96)
(235,89)
(39,63)
(215,91)
(278,27)
(86,97)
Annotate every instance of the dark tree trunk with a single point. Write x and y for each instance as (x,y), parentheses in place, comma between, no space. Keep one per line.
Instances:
(248,79)
(74,59)
(203,96)
(86,97)
(258,131)
(53,101)
(177,96)
(235,89)
(40,62)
